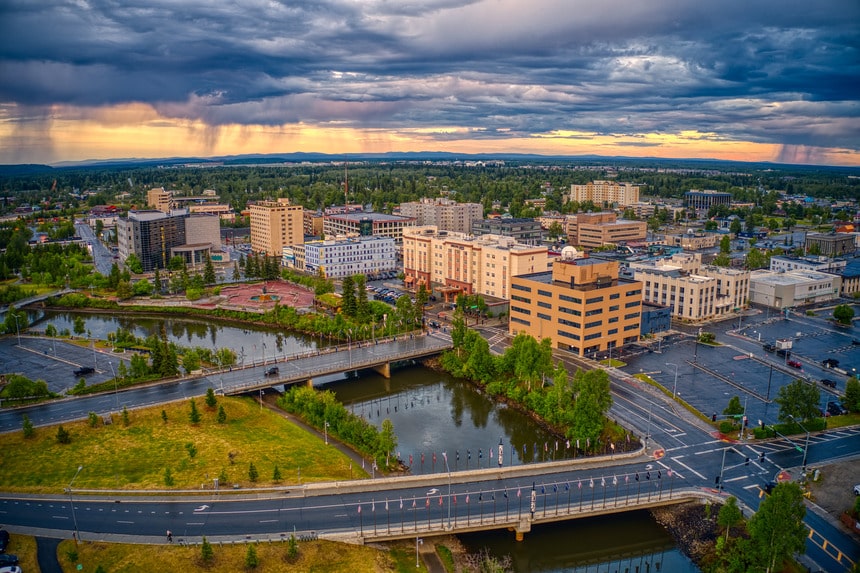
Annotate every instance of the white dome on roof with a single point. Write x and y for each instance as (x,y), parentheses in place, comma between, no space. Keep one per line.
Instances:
(570,253)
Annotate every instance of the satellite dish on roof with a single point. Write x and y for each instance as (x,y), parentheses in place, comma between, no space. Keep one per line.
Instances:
(689,231)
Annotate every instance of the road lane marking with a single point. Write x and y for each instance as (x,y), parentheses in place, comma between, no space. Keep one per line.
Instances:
(685,466)
(268,521)
(739,478)
(59,517)
(753,486)
(122,521)
(194,523)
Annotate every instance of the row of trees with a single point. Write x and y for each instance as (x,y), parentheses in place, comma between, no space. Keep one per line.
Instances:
(525,374)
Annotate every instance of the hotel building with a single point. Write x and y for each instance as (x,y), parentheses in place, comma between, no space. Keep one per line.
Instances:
(274,225)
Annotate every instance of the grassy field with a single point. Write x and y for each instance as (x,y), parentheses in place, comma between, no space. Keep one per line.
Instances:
(314,556)
(24,546)
(137,456)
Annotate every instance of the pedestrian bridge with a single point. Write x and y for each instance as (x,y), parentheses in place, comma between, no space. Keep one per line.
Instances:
(378,355)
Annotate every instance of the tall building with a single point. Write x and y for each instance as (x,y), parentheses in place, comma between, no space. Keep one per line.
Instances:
(693,291)
(694,199)
(581,305)
(159,199)
(524,231)
(274,225)
(155,237)
(608,192)
(444,214)
(312,222)
(366,224)
(463,263)
(597,229)
(345,257)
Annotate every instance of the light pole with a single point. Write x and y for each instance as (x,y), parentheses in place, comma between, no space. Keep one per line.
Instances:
(72,504)
(675,386)
(17,328)
(115,385)
(325,431)
(806,445)
(445,455)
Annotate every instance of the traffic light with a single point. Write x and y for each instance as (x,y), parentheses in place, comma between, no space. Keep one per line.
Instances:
(714,417)
(717,481)
(761,423)
(747,462)
(746,422)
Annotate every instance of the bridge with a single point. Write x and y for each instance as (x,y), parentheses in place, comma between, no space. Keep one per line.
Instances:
(377,355)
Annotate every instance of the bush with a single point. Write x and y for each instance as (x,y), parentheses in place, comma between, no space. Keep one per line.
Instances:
(168,477)
(63,436)
(93,419)
(251,560)
(27,426)
(727,427)
(206,552)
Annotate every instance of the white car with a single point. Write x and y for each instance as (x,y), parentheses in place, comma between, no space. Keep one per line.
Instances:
(10,569)
(857,489)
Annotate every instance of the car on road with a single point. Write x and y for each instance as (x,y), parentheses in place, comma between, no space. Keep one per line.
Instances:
(830,363)
(434,324)
(769,347)
(783,352)
(272,371)
(10,569)
(829,383)
(84,370)
(794,364)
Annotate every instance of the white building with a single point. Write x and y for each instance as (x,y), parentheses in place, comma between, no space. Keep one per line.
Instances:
(822,264)
(793,288)
(339,258)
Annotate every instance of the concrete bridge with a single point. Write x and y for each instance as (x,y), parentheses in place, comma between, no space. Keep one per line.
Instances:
(375,355)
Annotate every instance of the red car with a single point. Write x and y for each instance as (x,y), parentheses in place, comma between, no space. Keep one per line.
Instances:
(795,364)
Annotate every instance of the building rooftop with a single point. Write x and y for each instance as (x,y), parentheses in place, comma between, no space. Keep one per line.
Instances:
(788,278)
(373,216)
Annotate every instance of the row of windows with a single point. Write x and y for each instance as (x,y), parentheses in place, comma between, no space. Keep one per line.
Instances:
(543,304)
(520,321)
(523,288)
(544,316)
(521,299)
(572,299)
(544,293)
(520,310)
(569,323)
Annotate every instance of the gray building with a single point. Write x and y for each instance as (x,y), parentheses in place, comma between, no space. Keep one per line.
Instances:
(705,199)
(524,231)
(444,214)
(155,237)
(830,244)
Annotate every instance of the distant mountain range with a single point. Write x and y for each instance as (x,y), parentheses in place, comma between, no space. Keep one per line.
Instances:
(273,158)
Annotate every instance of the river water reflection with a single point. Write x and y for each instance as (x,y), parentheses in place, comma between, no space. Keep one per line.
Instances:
(434,413)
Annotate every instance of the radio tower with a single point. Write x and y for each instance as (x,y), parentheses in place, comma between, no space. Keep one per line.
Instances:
(345,187)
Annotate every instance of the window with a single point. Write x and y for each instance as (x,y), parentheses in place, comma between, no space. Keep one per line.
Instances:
(520,310)
(523,288)
(633,303)
(544,293)
(593,312)
(520,321)
(612,319)
(631,315)
(544,316)
(614,295)
(593,324)
(594,300)
(568,334)
(631,327)
(593,336)
(612,331)
(521,299)
(636,292)
(543,304)
(570,299)
(569,311)
(569,323)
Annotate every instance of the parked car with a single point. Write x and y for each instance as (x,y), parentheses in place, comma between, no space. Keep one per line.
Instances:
(272,371)
(829,383)
(84,370)
(769,347)
(4,540)
(794,364)
(7,559)
(836,409)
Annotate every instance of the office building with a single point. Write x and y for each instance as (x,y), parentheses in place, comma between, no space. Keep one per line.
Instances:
(793,288)
(581,305)
(830,244)
(594,230)
(607,193)
(159,199)
(692,241)
(704,200)
(822,264)
(366,224)
(344,257)
(523,231)
(274,225)
(444,214)
(312,221)
(155,237)
(469,264)
(693,291)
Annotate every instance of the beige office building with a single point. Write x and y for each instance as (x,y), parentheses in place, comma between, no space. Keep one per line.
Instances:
(581,305)
(463,263)
(597,229)
(444,214)
(609,192)
(274,225)
(159,199)
(693,291)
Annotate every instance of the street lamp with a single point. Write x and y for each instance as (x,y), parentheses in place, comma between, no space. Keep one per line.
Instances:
(675,387)
(115,386)
(325,431)
(72,503)
(805,447)
(448,469)
(17,328)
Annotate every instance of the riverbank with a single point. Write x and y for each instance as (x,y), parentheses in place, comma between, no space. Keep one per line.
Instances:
(693,526)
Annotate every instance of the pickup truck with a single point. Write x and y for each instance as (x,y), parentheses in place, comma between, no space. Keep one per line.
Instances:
(83,371)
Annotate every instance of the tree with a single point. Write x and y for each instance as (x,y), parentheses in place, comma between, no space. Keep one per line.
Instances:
(852,394)
(757,259)
(79,326)
(556,230)
(725,244)
(194,415)
(777,528)
(251,560)
(276,474)
(348,301)
(730,515)
(63,436)
(164,415)
(142,288)
(735,408)
(209,271)
(735,227)
(206,552)
(593,400)
(843,314)
(799,400)
(253,475)
(156,281)
(362,310)
(292,549)
(125,418)
(222,415)
(168,477)
(27,425)
(387,439)
(134,264)
(211,400)
(236,274)
(192,449)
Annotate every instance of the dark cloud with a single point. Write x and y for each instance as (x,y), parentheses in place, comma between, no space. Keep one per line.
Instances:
(777,71)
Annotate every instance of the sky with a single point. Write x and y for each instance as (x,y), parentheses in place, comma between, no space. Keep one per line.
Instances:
(750,80)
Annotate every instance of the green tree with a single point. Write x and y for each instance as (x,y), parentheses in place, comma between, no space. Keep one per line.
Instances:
(133,263)
(348,301)
(591,390)
(27,426)
(722,260)
(362,308)
(51,331)
(168,477)
(192,449)
(253,475)
(555,229)
(735,408)
(63,436)
(852,394)
(222,415)
(725,244)
(176,263)
(843,313)
(79,326)
(777,528)
(164,415)
(93,419)
(125,419)
(251,560)
(276,474)
(757,259)
(209,271)
(799,400)
(730,515)
(142,288)
(194,415)
(206,552)
(292,549)
(387,440)
(211,400)
(236,273)
(735,227)
(156,281)
(222,477)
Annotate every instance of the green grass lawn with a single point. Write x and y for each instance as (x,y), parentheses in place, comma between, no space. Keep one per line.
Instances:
(137,456)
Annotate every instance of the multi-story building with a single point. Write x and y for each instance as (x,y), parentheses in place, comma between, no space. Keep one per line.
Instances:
(155,237)
(605,192)
(344,257)
(692,290)
(274,225)
(598,229)
(822,264)
(830,244)
(159,199)
(692,241)
(850,279)
(464,263)
(312,223)
(793,288)
(366,224)
(581,305)
(695,199)
(224,212)
(444,214)
(523,231)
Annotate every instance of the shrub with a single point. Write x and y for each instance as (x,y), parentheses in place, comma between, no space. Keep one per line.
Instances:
(93,419)
(194,415)
(727,427)
(292,549)
(63,436)
(192,450)
(252,472)
(29,431)
(251,560)
(168,477)
(222,415)
(206,552)
(211,401)
(125,418)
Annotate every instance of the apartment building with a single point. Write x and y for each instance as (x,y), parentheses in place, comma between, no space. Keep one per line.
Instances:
(605,192)
(822,264)
(366,224)
(464,263)
(274,225)
(344,257)
(693,291)
(581,305)
(443,213)
(692,241)
(597,229)
(312,221)
(159,199)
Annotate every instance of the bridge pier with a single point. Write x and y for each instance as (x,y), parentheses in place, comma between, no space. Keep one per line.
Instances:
(523,527)
(383,370)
